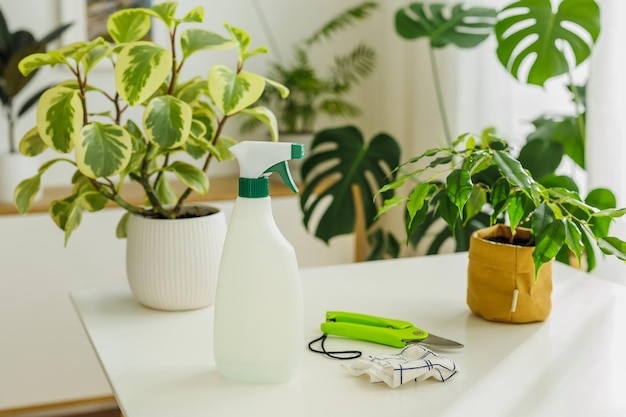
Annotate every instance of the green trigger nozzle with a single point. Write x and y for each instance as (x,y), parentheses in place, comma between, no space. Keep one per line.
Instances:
(283,170)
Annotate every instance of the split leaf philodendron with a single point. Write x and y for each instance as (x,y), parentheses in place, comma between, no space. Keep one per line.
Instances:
(478,176)
(179,117)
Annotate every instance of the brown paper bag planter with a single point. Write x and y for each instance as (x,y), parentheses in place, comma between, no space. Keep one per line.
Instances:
(501,283)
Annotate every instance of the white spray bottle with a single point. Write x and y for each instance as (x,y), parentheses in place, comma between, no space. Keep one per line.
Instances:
(258,328)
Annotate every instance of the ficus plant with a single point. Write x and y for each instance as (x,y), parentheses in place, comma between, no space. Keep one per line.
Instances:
(479,175)
(535,42)
(107,148)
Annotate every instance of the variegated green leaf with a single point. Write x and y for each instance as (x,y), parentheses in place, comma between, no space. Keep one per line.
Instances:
(89,197)
(232,92)
(138,148)
(31,143)
(261,50)
(194,16)
(166,11)
(120,230)
(128,25)
(165,191)
(67,214)
(59,118)
(240,36)
(267,117)
(94,56)
(103,150)
(220,150)
(80,51)
(194,40)
(191,90)
(167,121)
(207,117)
(282,89)
(191,176)
(35,61)
(196,144)
(25,193)
(140,70)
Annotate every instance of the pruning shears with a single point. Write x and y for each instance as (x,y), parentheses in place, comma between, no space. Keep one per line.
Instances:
(390,332)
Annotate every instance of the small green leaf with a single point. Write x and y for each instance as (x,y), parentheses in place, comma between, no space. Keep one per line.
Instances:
(389,203)
(613,246)
(25,193)
(499,197)
(128,25)
(513,171)
(31,143)
(120,230)
(103,150)
(542,218)
(59,118)
(573,239)
(234,92)
(140,70)
(194,16)
(165,191)
(35,61)
(167,121)
(191,176)
(613,213)
(267,117)
(589,244)
(67,214)
(459,188)
(475,204)
(221,150)
(548,243)
(194,40)
(448,211)
(282,90)
(416,199)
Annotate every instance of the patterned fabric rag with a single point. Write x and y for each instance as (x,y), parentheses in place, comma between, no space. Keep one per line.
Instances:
(414,363)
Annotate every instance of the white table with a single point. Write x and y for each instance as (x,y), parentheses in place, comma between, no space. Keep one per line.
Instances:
(161,364)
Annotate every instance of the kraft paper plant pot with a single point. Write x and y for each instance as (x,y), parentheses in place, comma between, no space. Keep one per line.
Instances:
(173,264)
(501,283)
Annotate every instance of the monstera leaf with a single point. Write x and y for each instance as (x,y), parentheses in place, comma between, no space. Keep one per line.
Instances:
(463,27)
(340,159)
(530,28)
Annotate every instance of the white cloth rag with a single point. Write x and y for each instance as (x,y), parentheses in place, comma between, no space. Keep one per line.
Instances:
(414,363)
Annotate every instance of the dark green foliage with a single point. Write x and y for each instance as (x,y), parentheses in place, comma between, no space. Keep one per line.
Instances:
(340,160)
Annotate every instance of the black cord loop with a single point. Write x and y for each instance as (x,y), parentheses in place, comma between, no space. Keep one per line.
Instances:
(341,355)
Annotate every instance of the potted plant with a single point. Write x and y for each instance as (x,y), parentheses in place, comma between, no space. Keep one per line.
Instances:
(480,175)
(179,121)
(314,93)
(13,47)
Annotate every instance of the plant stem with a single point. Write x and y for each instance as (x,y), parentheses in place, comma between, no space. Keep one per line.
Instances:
(439,92)
(11,120)
(578,104)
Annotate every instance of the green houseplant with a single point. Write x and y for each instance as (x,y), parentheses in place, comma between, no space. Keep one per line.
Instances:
(312,93)
(15,45)
(178,119)
(479,175)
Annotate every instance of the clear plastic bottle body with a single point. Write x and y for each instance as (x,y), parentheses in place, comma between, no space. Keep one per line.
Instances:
(258,329)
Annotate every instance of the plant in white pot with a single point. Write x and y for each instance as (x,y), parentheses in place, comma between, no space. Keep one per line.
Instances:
(509,274)
(180,121)
(15,45)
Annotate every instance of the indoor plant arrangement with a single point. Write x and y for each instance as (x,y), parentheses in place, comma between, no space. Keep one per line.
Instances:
(482,176)
(179,118)
(13,47)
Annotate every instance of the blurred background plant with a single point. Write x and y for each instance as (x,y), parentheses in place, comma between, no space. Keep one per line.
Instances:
(13,47)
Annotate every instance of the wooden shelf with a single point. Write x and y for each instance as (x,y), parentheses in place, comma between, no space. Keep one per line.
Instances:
(221,188)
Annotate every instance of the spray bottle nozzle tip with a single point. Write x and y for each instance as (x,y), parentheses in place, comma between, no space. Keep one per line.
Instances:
(297,151)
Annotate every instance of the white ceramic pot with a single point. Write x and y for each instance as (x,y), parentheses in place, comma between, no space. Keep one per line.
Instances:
(173,264)
(14,167)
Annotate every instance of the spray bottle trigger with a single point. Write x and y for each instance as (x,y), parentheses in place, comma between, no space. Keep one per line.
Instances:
(283,170)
